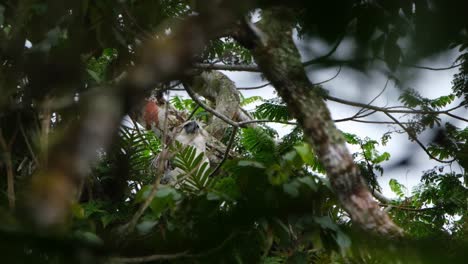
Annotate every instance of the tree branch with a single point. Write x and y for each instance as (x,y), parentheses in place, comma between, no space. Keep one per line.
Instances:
(320,60)
(130,226)
(276,54)
(413,137)
(207,108)
(226,153)
(151,258)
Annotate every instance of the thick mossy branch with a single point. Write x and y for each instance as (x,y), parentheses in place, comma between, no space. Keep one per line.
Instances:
(220,90)
(273,48)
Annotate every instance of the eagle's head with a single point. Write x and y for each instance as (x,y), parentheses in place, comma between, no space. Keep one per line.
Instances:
(191,133)
(191,127)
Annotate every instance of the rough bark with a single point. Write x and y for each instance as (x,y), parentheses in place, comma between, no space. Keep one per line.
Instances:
(222,92)
(218,88)
(277,56)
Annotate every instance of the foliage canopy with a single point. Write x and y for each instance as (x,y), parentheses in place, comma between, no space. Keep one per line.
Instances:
(79,185)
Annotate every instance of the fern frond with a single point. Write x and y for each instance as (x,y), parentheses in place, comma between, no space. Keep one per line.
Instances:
(140,147)
(194,169)
(183,104)
(249,100)
(290,140)
(177,102)
(273,109)
(259,143)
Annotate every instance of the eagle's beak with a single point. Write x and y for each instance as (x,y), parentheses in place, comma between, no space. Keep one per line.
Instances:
(191,127)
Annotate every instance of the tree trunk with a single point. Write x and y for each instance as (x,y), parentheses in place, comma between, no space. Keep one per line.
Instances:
(277,56)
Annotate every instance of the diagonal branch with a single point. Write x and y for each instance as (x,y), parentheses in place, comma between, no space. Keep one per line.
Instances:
(320,60)
(208,108)
(413,137)
(226,152)
(130,226)
(396,111)
(278,57)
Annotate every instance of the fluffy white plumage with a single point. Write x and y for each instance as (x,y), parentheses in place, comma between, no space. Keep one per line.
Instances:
(189,133)
(192,134)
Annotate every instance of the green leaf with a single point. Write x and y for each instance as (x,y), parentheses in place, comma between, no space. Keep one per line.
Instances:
(343,241)
(143,193)
(94,75)
(250,163)
(309,181)
(146,226)
(107,219)
(380,158)
(351,138)
(397,188)
(250,100)
(305,151)
(291,188)
(89,237)
(78,211)
(273,109)
(308,157)
(164,200)
(165,191)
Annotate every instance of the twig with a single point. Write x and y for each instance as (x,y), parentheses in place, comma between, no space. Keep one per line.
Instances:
(254,68)
(329,79)
(354,117)
(254,87)
(321,58)
(128,228)
(225,118)
(137,128)
(456,117)
(243,123)
(192,113)
(405,208)
(226,153)
(223,67)
(26,140)
(453,66)
(207,108)
(413,137)
(387,110)
(375,98)
(266,84)
(369,121)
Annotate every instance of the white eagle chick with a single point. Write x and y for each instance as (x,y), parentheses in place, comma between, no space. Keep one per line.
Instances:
(189,133)
(192,134)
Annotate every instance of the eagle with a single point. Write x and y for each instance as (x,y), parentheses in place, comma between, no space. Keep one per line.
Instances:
(190,133)
(154,114)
